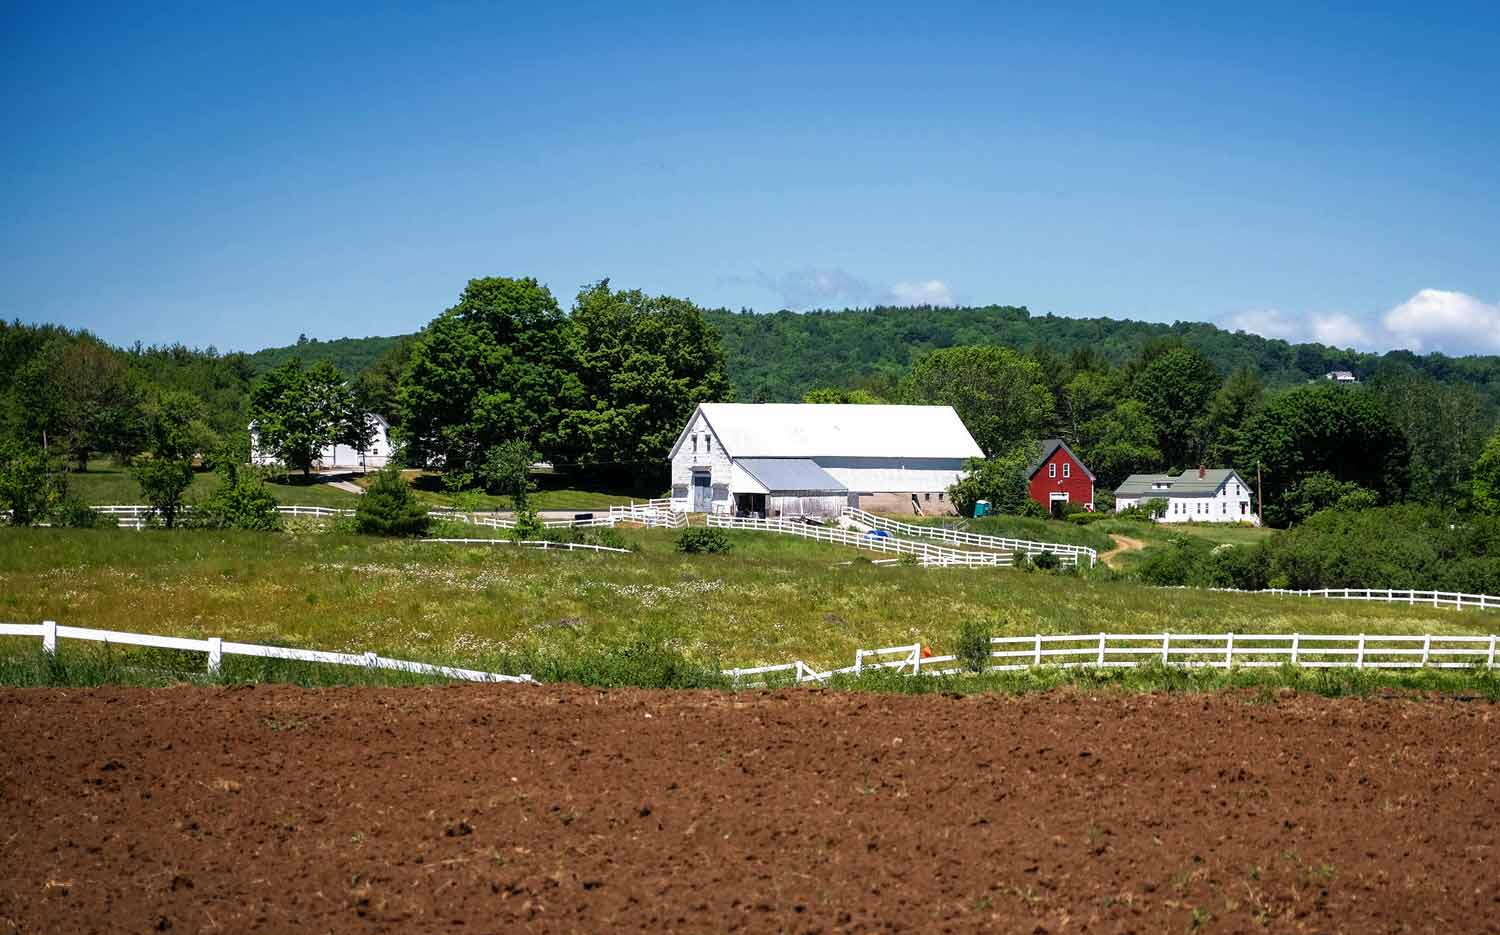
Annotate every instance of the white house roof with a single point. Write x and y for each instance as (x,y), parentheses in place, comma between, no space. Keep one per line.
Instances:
(831,430)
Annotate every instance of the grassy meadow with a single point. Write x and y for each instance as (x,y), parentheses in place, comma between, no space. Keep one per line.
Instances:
(771,600)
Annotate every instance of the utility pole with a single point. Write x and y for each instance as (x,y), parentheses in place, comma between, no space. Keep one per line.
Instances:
(1260,497)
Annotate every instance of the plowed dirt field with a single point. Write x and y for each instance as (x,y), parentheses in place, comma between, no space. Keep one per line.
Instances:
(561,809)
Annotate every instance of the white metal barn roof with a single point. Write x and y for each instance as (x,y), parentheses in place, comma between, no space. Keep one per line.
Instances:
(830,430)
(791,474)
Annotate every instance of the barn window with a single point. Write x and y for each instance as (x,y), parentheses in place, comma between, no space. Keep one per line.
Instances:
(940,497)
(1051,470)
(927,497)
(1067,470)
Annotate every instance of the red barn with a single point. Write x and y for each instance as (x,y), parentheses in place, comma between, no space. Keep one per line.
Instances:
(1059,477)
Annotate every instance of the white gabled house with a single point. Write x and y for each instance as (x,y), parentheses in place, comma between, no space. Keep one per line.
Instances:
(336,457)
(774,459)
(1219,495)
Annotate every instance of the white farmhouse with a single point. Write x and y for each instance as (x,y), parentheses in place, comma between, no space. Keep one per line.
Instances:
(1202,496)
(775,459)
(336,457)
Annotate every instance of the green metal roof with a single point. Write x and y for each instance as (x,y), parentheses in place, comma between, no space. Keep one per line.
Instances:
(1186,484)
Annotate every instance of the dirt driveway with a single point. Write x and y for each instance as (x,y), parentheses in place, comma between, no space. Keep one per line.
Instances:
(1122,544)
(557,809)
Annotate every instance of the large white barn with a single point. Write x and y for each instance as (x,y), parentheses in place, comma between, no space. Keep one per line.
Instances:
(336,457)
(774,459)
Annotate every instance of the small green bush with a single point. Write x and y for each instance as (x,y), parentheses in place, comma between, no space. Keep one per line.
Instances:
(529,527)
(76,514)
(390,508)
(241,501)
(1046,561)
(972,645)
(697,540)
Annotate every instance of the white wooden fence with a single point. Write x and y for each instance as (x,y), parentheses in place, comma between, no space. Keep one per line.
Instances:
(138,516)
(543,544)
(1455,599)
(1125,650)
(1068,554)
(926,554)
(217,648)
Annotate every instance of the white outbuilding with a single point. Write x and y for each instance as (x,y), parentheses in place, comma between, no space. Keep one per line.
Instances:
(1207,495)
(775,459)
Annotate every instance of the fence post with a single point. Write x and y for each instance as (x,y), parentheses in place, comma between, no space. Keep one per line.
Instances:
(49,637)
(370,660)
(1426,648)
(1295,641)
(215,654)
(1359,660)
(1229,651)
(916,659)
(1166,640)
(859,661)
(1038,661)
(1101,649)
(1492,651)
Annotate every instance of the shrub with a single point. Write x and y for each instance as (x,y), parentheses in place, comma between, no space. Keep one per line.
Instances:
(74,513)
(31,482)
(1183,561)
(1046,561)
(973,645)
(390,508)
(242,501)
(698,540)
(528,526)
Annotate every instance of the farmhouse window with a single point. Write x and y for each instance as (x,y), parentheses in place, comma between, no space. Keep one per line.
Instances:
(695,444)
(1067,470)
(708,444)
(1051,470)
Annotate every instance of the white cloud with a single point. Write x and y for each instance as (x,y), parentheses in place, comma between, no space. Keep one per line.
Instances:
(832,287)
(1340,331)
(931,292)
(1268,323)
(1438,319)
(1431,320)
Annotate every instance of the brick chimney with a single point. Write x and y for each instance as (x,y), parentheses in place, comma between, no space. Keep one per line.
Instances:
(1202,472)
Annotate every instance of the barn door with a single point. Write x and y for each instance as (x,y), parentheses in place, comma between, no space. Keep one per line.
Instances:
(702,492)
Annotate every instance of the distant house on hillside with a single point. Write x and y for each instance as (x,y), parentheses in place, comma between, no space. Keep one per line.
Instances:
(1059,477)
(777,459)
(1340,376)
(1206,495)
(336,457)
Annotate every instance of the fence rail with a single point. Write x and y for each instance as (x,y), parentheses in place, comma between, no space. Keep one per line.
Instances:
(1068,554)
(925,554)
(1126,650)
(543,544)
(217,648)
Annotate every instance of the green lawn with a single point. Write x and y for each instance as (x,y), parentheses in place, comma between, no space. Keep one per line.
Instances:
(553,492)
(771,600)
(106,483)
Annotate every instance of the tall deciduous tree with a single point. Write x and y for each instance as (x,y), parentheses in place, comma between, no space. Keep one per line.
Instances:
(96,398)
(1486,483)
(1344,432)
(1176,385)
(1000,395)
(1228,414)
(1001,480)
(1123,443)
(298,411)
(644,362)
(496,366)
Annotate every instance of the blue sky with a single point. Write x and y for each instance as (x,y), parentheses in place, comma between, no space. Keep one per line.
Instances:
(237,176)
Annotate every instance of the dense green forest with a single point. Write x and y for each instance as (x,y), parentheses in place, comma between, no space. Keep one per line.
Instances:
(780,357)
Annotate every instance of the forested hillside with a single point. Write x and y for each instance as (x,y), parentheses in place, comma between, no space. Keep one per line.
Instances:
(779,357)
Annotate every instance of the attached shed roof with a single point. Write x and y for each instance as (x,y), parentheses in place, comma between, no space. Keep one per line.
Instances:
(819,430)
(788,474)
(1186,484)
(1049,447)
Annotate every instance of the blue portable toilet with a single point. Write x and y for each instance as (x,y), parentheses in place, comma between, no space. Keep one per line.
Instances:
(981,508)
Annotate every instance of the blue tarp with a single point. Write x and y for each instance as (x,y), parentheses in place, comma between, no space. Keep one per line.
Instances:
(788,475)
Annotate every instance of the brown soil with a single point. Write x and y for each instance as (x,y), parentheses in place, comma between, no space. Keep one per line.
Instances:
(563,809)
